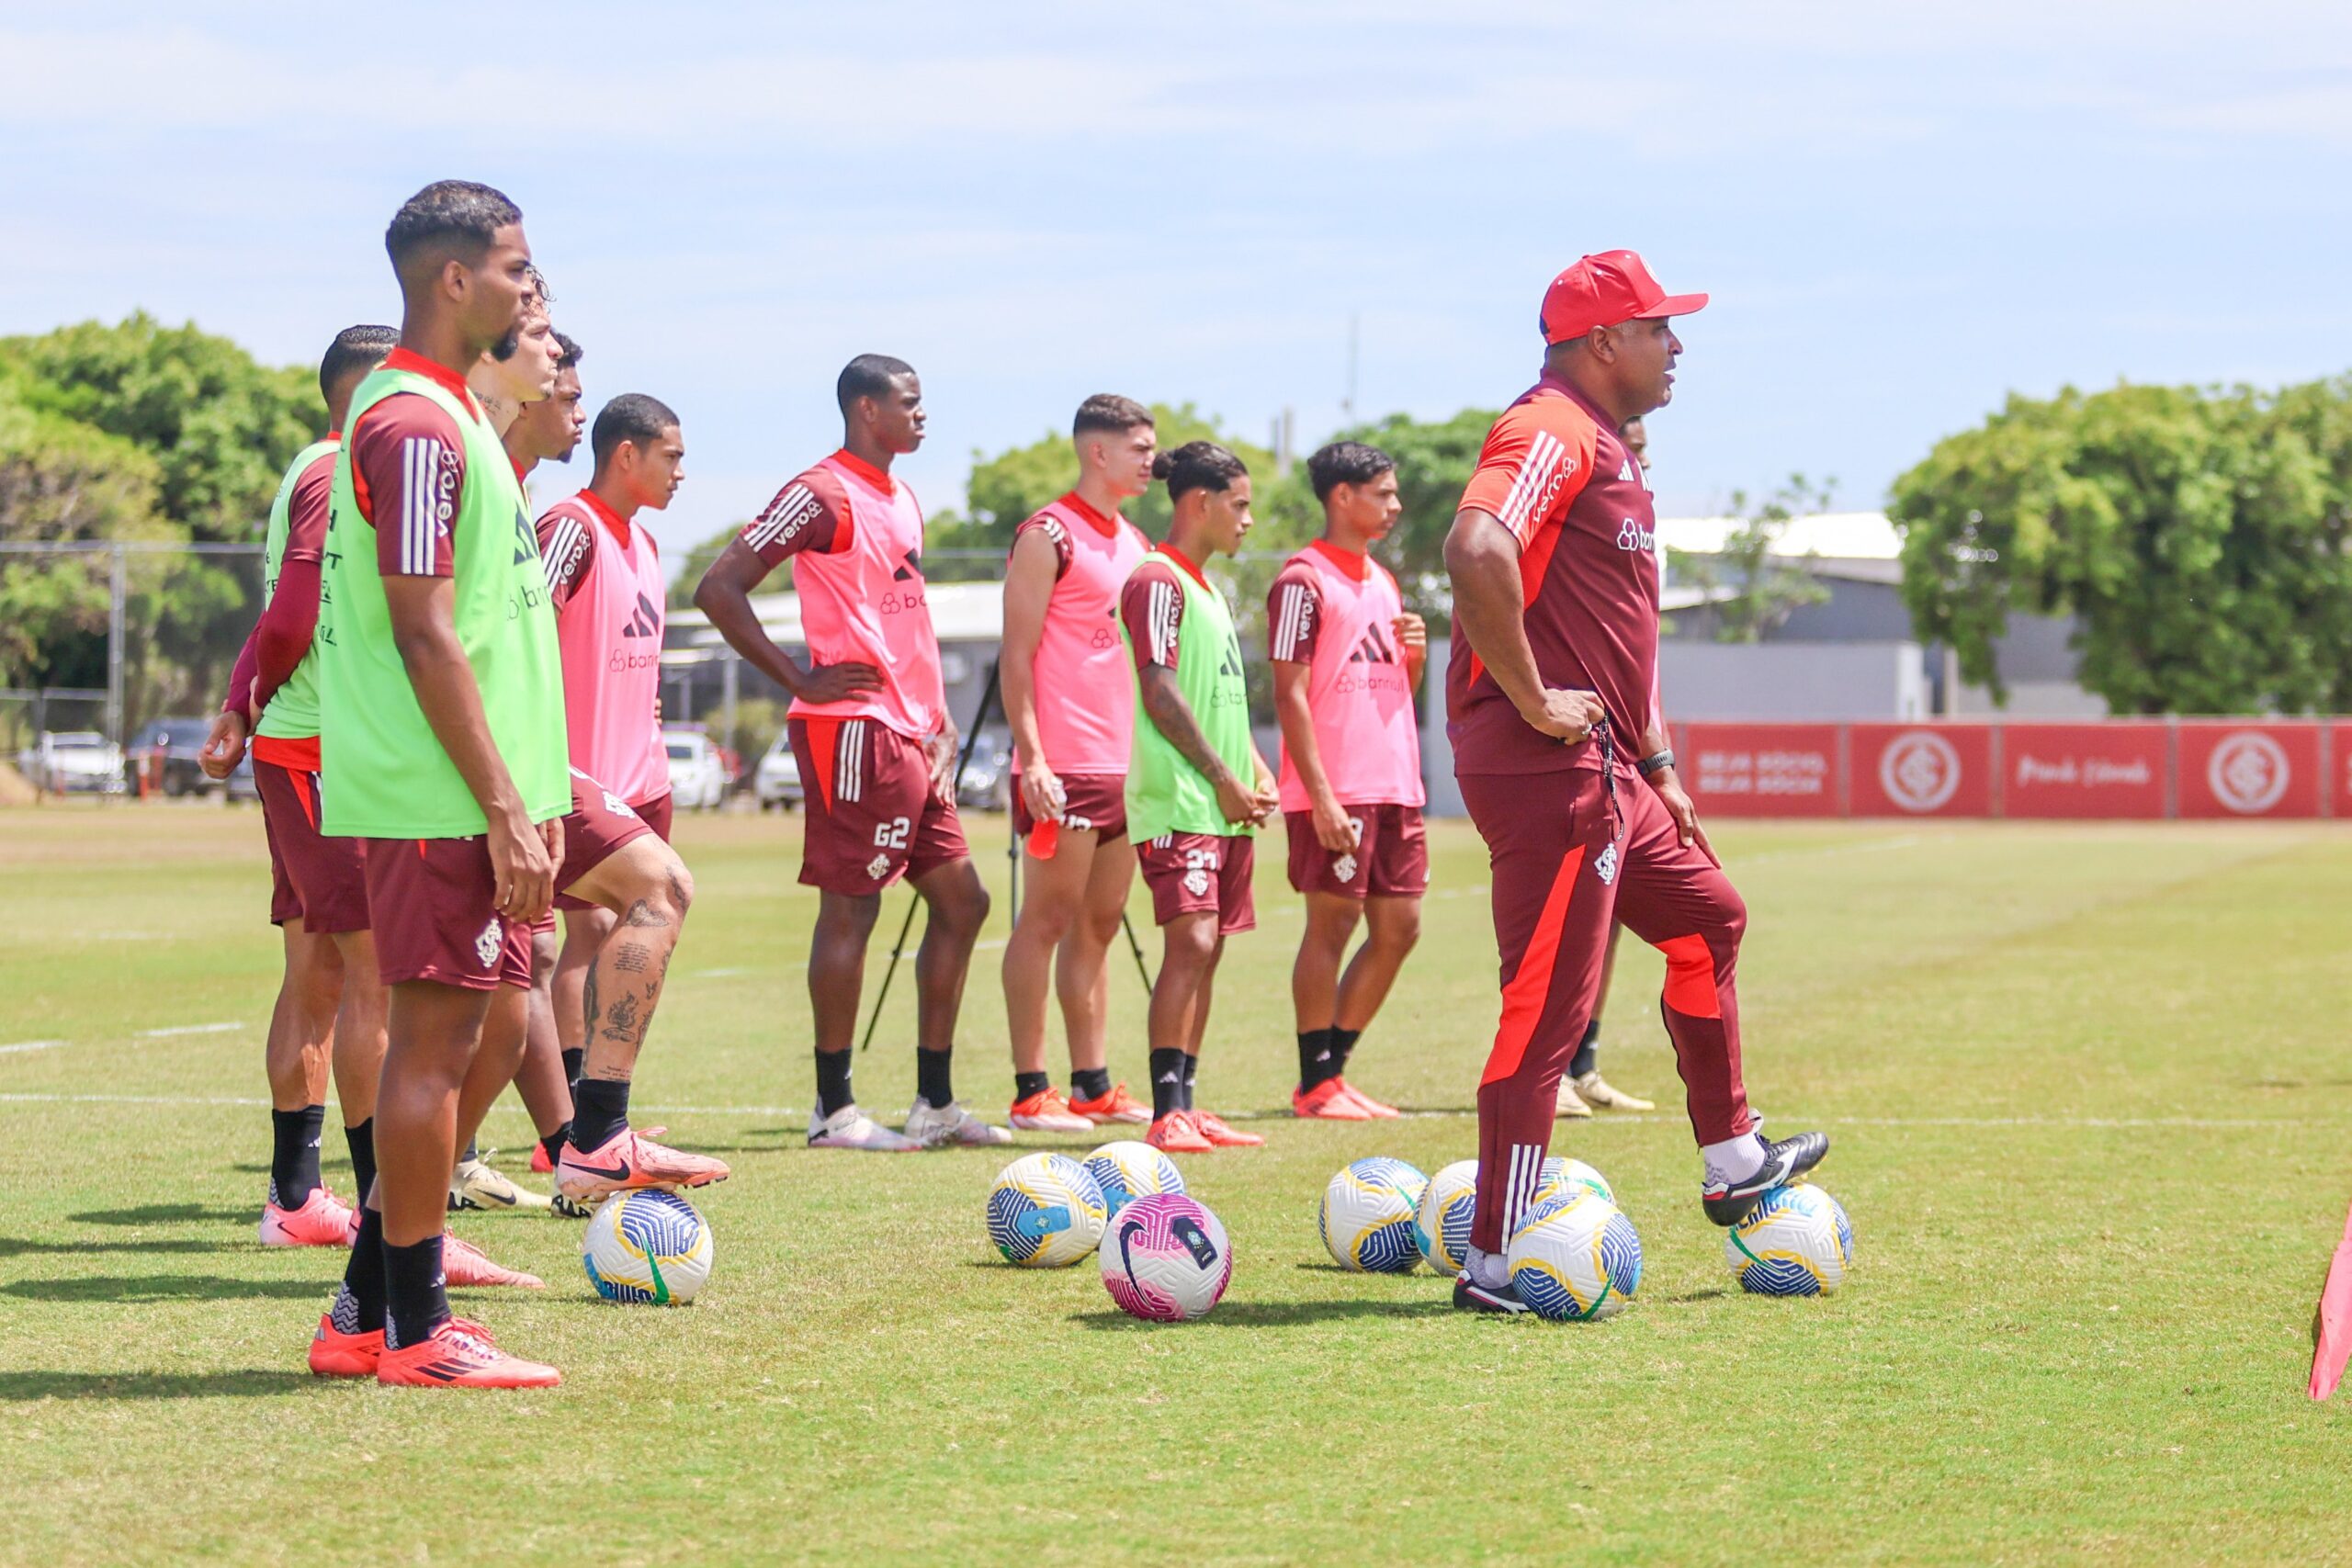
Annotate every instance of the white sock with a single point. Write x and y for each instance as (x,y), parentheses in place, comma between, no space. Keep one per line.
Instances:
(1729,1164)
(1486,1268)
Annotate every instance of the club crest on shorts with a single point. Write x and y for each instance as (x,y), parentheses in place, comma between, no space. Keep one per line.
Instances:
(486,946)
(619,808)
(878,867)
(1344,869)
(1605,867)
(1196,882)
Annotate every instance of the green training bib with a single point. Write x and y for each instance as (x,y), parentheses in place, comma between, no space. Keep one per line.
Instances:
(1165,793)
(293,710)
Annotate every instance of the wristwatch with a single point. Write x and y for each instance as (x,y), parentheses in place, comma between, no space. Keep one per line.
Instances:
(1656,762)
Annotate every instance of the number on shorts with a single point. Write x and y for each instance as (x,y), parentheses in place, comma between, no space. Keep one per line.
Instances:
(891,835)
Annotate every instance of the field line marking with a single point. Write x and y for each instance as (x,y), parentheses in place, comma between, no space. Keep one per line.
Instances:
(32,1046)
(186,1029)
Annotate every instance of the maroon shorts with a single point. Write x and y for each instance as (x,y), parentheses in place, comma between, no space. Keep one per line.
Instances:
(1201,873)
(599,823)
(316,879)
(1391,859)
(1095,803)
(872,813)
(434,902)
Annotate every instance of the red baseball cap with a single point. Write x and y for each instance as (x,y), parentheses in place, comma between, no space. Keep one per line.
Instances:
(1604,289)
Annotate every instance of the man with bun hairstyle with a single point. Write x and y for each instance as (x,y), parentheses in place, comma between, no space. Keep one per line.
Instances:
(1564,762)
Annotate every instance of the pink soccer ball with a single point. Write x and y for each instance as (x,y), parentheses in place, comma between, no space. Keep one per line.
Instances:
(1165,1257)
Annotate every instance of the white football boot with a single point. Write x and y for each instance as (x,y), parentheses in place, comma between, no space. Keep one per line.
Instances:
(1594,1089)
(1569,1103)
(937,1126)
(475,1184)
(850,1128)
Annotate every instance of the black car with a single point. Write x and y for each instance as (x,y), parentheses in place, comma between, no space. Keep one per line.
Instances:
(178,743)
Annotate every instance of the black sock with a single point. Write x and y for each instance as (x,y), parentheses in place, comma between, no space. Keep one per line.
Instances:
(1343,1045)
(361,1141)
(294,1155)
(1315,1063)
(1192,1071)
(416,1303)
(832,1082)
(934,1076)
(552,1144)
(1089,1083)
(599,1110)
(359,1306)
(473,1150)
(573,1060)
(1167,1082)
(1026,1084)
(1588,1054)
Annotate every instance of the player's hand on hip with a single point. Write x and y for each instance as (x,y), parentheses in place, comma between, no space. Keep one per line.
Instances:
(1567,714)
(1043,794)
(839,682)
(1677,801)
(1334,829)
(225,746)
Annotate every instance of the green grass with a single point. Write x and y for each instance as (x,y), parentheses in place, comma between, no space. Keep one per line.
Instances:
(2087,1084)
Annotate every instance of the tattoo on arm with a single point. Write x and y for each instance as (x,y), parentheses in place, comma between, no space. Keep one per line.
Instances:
(1175,720)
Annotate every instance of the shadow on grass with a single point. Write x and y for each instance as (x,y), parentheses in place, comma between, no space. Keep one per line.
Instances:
(1276,1315)
(167,1214)
(164,1288)
(150,1385)
(16,1246)
(1688,1296)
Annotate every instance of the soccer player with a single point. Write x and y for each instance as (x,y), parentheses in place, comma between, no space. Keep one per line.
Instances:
(870,728)
(330,1004)
(1348,658)
(1071,709)
(1189,811)
(1564,762)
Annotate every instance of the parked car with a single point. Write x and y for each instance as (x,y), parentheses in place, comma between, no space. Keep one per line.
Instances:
(697,777)
(179,743)
(776,786)
(242,784)
(80,762)
(988,778)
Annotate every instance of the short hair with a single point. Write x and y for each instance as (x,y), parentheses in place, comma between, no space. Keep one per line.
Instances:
(355,349)
(633,416)
(568,352)
(1108,410)
(1346,463)
(1197,465)
(868,376)
(459,217)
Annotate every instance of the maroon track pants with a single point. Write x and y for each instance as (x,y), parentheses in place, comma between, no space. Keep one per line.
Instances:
(1564,866)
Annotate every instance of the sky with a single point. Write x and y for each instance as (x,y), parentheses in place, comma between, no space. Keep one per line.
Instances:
(1904,214)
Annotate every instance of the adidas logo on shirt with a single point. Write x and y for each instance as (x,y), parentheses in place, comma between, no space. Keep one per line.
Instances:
(645,622)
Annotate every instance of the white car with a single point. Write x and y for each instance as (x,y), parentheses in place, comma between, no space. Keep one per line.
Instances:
(697,778)
(77,761)
(777,781)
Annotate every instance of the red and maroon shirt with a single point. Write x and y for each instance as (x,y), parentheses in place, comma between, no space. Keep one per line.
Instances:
(406,459)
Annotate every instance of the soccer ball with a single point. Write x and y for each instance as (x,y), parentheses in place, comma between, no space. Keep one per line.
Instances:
(1795,1242)
(1557,1174)
(1044,1211)
(1366,1216)
(1574,1259)
(1441,1222)
(1166,1258)
(647,1246)
(1128,1169)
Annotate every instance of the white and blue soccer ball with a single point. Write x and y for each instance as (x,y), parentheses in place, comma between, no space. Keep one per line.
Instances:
(1367,1212)
(1045,1211)
(1795,1242)
(1574,1259)
(1441,1221)
(648,1247)
(1128,1170)
(1559,1173)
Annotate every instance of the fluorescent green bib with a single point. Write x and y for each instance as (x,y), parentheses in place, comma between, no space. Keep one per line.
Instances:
(293,712)
(1165,793)
(388,777)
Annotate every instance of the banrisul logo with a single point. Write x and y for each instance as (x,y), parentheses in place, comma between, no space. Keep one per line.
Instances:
(1633,537)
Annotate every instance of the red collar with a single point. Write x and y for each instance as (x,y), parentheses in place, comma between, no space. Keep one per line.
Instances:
(522,472)
(334,438)
(416,364)
(866,471)
(1106,527)
(1548,382)
(1173,553)
(1357,566)
(611,519)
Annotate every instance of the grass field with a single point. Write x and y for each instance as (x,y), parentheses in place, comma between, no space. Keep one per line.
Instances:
(2087,1086)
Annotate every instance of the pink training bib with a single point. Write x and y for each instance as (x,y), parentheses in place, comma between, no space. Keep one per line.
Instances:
(609,627)
(867,604)
(1086,703)
(1342,625)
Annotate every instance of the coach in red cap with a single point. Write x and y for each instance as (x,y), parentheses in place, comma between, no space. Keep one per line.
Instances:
(1562,755)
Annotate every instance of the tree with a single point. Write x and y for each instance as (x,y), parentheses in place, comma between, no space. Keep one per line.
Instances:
(1765,590)
(2197,534)
(1434,461)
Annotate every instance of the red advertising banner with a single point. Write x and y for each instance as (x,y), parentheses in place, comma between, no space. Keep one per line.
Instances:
(1919,770)
(2250,770)
(2116,768)
(1761,769)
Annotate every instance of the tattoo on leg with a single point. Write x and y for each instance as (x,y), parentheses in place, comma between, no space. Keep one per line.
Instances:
(642,913)
(588,1006)
(624,1025)
(632,958)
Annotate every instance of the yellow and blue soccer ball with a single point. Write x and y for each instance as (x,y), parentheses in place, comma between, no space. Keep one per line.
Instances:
(649,1247)
(1045,1211)
(1559,1173)
(1366,1216)
(1575,1257)
(1128,1170)
(1795,1242)
(1441,1220)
